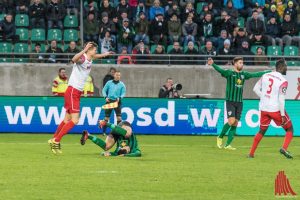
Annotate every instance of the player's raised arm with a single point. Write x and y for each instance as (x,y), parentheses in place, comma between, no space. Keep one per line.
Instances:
(249,75)
(77,57)
(257,88)
(222,71)
(103,55)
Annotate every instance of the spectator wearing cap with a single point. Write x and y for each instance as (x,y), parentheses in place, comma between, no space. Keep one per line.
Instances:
(123,7)
(225,23)
(174,28)
(260,57)
(72,6)
(289,31)
(55,14)
(192,51)
(90,28)
(240,38)
(141,8)
(273,32)
(141,29)
(22,6)
(155,9)
(174,9)
(37,14)
(124,58)
(54,52)
(246,53)
(91,6)
(159,29)
(272,12)
(255,25)
(225,53)
(125,36)
(106,8)
(291,10)
(107,25)
(189,30)
(159,58)
(176,50)
(207,29)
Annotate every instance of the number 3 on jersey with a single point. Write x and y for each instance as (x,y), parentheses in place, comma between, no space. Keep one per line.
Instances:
(271,81)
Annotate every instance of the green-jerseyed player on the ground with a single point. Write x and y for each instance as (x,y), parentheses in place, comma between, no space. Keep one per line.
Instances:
(120,134)
(234,97)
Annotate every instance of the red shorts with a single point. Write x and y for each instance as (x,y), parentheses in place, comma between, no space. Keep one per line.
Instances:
(72,100)
(266,117)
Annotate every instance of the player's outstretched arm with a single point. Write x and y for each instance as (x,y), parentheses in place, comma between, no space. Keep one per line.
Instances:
(77,57)
(257,88)
(103,55)
(222,71)
(137,153)
(255,74)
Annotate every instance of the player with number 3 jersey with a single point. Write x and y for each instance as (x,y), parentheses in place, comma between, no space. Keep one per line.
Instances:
(271,89)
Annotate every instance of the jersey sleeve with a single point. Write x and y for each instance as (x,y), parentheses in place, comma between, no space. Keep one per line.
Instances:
(223,72)
(283,88)
(249,75)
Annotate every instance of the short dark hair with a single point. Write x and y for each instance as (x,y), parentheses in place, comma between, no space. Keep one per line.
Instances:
(280,64)
(60,69)
(236,59)
(126,123)
(112,69)
(93,43)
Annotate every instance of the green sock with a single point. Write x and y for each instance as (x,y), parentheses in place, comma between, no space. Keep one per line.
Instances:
(117,129)
(231,135)
(225,129)
(97,141)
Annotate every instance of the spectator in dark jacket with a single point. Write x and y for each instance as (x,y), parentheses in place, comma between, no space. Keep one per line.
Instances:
(123,7)
(189,30)
(246,53)
(226,23)
(174,28)
(37,14)
(159,57)
(272,12)
(106,7)
(159,29)
(107,25)
(90,28)
(207,29)
(72,6)
(55,14)
(225,53)
(8,28)
(240,38)
(109,76)
(291,10)
(53,50)
(259,40)
(231,10)
(142,29)
(167,91)
(273,32)
(90,7)
(176,50)
(22,6)
(7,6)
(125,36)
(173,10)
(142,55)
(255,25)
(192,51)
(289,31)
(71,51)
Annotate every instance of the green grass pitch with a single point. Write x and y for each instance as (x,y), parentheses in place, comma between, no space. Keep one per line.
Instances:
(172,167)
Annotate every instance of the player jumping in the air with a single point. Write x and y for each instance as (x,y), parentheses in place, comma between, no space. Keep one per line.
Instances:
(81,70)
(120,134)
(234,97)
(271,89)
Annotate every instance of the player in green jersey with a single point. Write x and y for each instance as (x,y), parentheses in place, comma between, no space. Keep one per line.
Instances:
(234,97)
(121,135)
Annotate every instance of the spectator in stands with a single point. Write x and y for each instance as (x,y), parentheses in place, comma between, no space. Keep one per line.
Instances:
(7,6)
(124,58)
(231,10)
(123,7)
(108,9)
(142,55)
(291,10)
(71,50)
(212,9)
(209,49)
(173,10)
(37,14)
(280,5)
(22,6)
(188,11)
(107,43)
(246,53)
(244,7)
(60,83)
(240,38)
(159,57)
(167,91)
(189,30)
(289,31)
(207,29)
(255,25)
(174,28)
(183,3)
(72,6)
(259,40)
(159,29)
(37,57)
(260,57)
(8,28)
(90,28)
(223,36)
(225,23)
(141,8)
(107,25)
(176,50)
(273,32)
(192,52)
(53,50)
(109,76)
(224,54)
(155,9)
(55,14)
(141,29)
(272,12)
(90,7)
(125,36)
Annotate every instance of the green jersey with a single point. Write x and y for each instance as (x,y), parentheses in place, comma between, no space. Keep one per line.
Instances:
(131,142)
(235,82)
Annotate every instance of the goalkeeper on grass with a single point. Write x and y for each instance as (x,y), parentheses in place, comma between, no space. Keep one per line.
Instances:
(234,97)
(121,135)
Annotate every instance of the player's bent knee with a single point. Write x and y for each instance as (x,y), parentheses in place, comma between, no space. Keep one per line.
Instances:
(75,121)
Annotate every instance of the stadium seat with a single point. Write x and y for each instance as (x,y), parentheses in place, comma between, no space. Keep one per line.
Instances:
(2,15)
(21,48)
(108,61)
(23,34)
(22,20)
(169,48)
(71,21)
(38,34)
(274,51)
(291,51)
(241,22)
(254,48)
(152,48)
(6,48)
(54,34)
(70,35)
(199,7)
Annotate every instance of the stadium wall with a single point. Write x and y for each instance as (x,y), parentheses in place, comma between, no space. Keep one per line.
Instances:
(141,81)
(147,115)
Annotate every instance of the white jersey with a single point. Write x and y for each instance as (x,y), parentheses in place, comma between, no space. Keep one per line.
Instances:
(80,73)
(272,85)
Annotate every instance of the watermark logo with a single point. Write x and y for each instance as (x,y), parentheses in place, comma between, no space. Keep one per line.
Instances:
(282,186)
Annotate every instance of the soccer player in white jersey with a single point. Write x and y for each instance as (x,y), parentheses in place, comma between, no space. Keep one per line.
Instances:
(271,89)
(81,70)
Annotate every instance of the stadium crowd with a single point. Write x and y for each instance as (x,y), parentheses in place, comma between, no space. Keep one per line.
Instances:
(156,27)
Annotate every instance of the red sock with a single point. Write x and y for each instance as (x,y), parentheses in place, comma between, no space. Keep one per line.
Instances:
(256,140)
(61,125)
(66,128)
(287,140)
